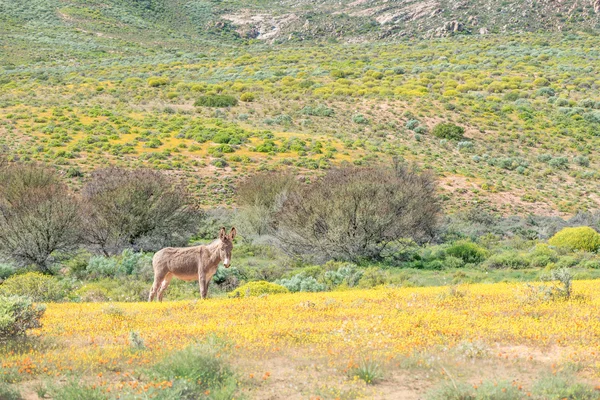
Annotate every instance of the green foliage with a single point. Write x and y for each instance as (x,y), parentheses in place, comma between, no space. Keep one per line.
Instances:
(129,263)
(372,277)
(158,81)
(368,370)
(346,274)
(195,370)
(258,288)
(302,283)
(247,97)
(448,131)
(451,390)
(17,315)
(507,259)
(9,393)
(360,119)
(37,286)
(216,100)
(318,111)
(75,390)
(578,238)
(556,387)
(6,270)
(468,251)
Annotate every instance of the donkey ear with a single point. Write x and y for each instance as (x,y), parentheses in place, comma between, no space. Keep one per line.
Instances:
(222,233)
(232,233)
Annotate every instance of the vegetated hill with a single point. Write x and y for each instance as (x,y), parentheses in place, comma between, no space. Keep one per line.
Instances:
(114,26)
(87,83)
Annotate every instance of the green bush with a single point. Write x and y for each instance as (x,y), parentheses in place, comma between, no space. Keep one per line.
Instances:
(372,277)
(36,285)
(563,387)
(157,81)
(258,288)
(17,315)
(129,263)
(579,238)
(448,131)
(541,256)
(507,259)
(468,251)
(75,390)
(6,271)
(8,393)
(348,275)
(302,283)
(196,370)
(216,100)
(247,97)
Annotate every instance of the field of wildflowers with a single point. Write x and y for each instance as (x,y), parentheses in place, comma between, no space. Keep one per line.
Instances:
(471,332)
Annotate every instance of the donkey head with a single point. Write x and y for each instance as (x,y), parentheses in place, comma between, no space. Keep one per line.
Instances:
(226,245)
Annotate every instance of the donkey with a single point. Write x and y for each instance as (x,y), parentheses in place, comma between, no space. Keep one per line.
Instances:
(191,263)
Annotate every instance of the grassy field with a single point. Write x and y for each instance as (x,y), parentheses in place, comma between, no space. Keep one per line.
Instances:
(410,343)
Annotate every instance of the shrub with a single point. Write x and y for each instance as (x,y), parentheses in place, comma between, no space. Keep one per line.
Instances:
(578,238)
(412,124)
(38,215)
(216,100)
(368,370)
(563,387)
(261,197)
(143,209)
(448,131)
(372,277)
(38,286)
(318,111)
(507,259)
(542,255)
(258,288)
(157,81)
(196,371)
(6,271)
(9,393)
(302,283)
(468,251)
(360,119)
(75,390)
(348,275)
(17,315)
(247,97)
(352,214)
(582,161)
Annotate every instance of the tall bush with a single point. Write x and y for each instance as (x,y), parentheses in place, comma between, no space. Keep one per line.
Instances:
(579,238)
(353,214)
(140,209)
(38,215)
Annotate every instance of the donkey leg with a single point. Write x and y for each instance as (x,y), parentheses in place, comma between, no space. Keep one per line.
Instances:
(203,287)
(154,289)
(158,278)
(164,286)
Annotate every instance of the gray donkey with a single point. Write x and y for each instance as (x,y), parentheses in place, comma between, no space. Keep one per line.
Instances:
(191,263)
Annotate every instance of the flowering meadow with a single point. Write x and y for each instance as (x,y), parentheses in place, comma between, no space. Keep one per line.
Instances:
(437,334)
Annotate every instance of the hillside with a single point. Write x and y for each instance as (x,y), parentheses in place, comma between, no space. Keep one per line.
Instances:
(45,27)
(85,84)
